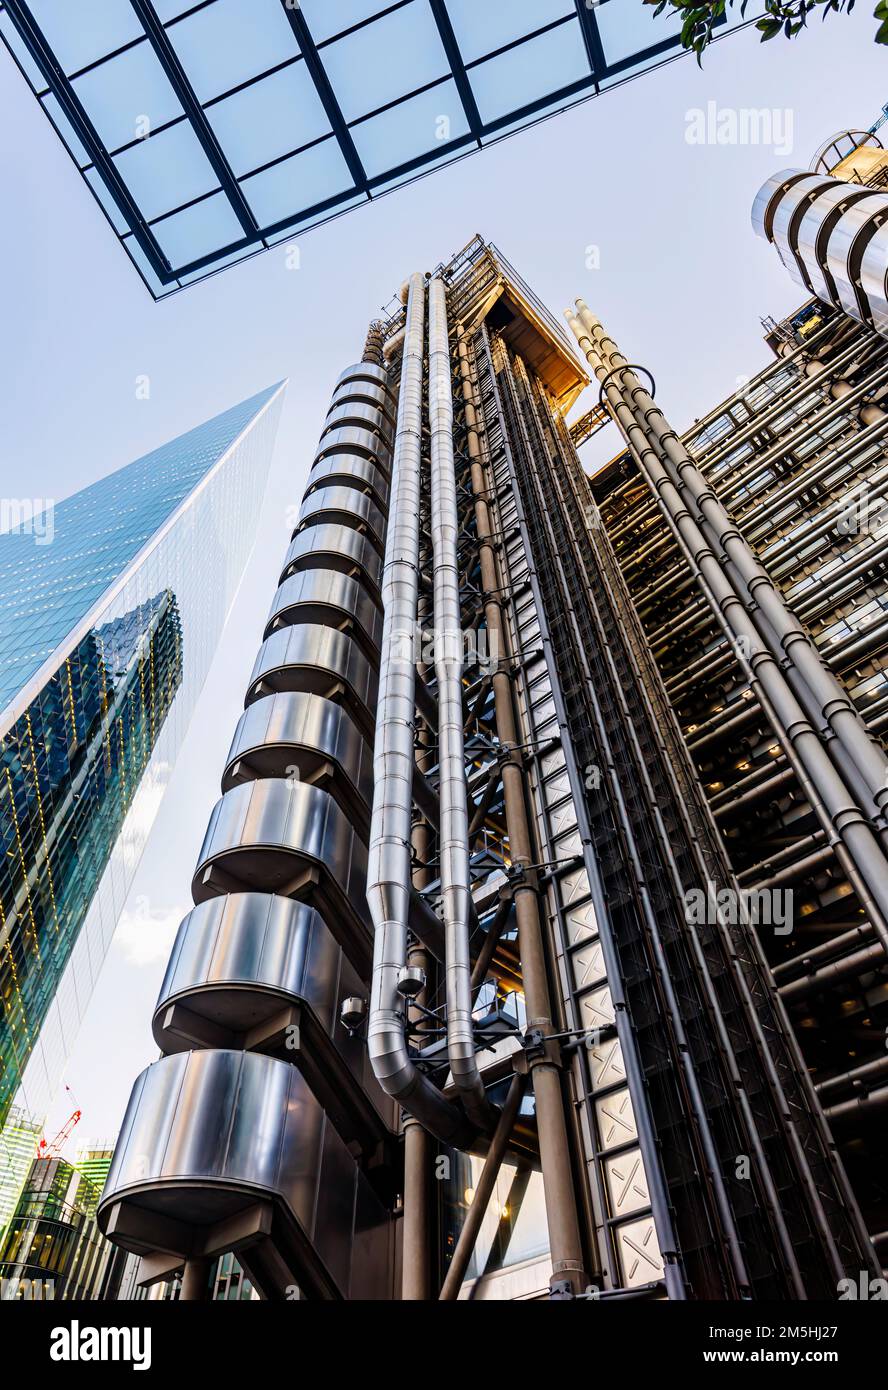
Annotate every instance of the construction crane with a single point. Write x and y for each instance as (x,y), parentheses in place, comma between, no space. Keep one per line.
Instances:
(54,1148)
(881,121)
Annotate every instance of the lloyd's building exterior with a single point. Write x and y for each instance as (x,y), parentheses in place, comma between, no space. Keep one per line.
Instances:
(112,605)
(441,1023)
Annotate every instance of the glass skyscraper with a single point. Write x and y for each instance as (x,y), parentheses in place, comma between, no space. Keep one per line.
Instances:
(111,606)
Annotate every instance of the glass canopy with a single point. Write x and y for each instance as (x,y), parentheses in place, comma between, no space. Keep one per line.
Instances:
(209,131)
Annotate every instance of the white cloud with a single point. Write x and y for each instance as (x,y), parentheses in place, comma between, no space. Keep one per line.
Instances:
(144,934)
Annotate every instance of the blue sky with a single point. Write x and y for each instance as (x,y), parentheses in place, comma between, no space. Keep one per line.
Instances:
(681,283)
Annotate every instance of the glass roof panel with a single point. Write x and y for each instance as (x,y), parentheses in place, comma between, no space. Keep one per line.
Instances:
(300,182)
(166,170)
(325,19)
(65,129)
(14,43)
(626,29)
(80,31)
(410,129)
(386,60)
(112,212)
(230,41)
(534,69)
(171,9)
(120,94)
(387,68)
(198,230)
(269,118)
(481,28)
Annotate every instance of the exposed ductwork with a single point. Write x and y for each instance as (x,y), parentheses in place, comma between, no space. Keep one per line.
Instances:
(750,612)
(389,875)
(448,653)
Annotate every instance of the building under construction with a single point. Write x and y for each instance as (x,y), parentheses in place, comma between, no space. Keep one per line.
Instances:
(486,992)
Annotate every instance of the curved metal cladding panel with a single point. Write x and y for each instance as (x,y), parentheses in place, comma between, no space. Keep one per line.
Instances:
(301,732)
(349,470)
(324,596)
(874,277)
(237,959)
(366,371)
(208,1133)
(288,838)
(352,439)
(346,507)
(846,247)
(368,393)
(334,547)
(768,197)
(787,216)
(813,234)
(362,415)
(313,657)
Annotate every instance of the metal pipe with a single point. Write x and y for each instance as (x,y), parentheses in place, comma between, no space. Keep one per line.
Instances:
(836,709)
(389,869)
(561,1207)
(856,846)
(483,1193)
(448,657)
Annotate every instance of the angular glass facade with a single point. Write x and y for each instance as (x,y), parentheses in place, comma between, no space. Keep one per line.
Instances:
(266,116)
(106,636)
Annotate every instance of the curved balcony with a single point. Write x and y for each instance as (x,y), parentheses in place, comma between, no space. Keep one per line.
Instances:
(365,371)
(874,277)
(349,470)
(323,596)
(787,218)
(339,548)
(360,414)
(291,839)
(368,394)
(244,969)
(847,244)
(321,660)
(224,1150)
(309,738)
(343,506)
(813,235)
(768,198)
(354,439)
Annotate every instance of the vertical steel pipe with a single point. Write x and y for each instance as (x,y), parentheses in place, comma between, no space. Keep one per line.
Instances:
(448,659)
(389,871)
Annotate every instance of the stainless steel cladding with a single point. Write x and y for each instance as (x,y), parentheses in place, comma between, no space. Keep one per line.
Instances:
(325,596)
(350,470)
(325,660)
(303,737)
(245,1132)
(261,1127)
(825,231)
(346,506)
(333,547)
(289,838)
(390,871)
